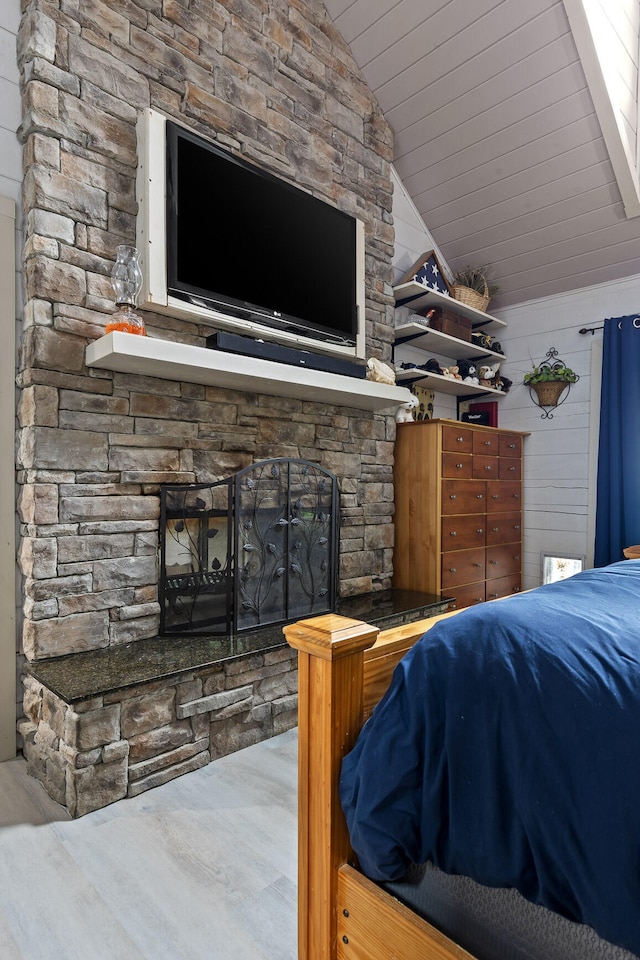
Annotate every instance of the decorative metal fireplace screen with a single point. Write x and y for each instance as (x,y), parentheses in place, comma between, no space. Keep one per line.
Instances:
(256,549)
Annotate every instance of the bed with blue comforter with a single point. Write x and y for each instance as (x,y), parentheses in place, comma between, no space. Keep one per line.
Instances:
(507,749)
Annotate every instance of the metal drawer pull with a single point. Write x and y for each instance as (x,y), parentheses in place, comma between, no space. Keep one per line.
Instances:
(452,496)
(477,564)
(516,526)
(495,529)
(516,496)
(494,595)
(479,496)
(453,533)
(516,557)
(452,570)
(495,496)
(488,468)
(494,562)
(479,530)
(460,439)
(512,446)
(487,443)
(459,466)
(512,469)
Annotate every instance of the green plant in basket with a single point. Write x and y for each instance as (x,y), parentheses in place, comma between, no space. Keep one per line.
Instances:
(548,372)
(478,279)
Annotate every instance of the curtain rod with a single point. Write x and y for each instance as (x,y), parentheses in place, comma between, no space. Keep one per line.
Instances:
(591,330)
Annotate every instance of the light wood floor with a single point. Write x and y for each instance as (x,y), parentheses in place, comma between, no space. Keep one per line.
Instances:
(202,868)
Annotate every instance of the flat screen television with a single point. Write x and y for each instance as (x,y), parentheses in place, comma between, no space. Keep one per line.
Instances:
(226,243)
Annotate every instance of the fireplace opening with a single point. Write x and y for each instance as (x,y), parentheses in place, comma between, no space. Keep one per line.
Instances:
(256,549)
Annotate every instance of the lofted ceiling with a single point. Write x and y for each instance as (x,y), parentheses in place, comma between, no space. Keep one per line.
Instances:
(497,139)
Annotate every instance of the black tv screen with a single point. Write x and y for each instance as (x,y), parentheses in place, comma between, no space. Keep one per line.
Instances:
(248,244)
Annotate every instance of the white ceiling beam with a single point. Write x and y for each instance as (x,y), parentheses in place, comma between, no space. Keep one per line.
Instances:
(621,153)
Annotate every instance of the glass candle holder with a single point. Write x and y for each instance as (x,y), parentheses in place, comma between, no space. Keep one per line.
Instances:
(126,279)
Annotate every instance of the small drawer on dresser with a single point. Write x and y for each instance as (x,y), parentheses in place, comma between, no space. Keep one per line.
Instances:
(503,587)
(457,465)
(462,566)
(463,496)
(486,468)
(486,442)
(466,596)
(510,469)
(503,560)
(503,495)
(510,446)
(457,438)
(504,528)
(458,533)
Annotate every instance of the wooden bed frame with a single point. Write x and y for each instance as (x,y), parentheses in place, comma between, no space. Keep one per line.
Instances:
(344,668)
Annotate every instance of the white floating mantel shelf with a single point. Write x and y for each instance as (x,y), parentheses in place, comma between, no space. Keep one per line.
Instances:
(147,356)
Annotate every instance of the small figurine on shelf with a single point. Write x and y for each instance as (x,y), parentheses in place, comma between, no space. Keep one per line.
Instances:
(404,413)
(126,279)
(468,372)
(379,371)
(432,366)
(488,374)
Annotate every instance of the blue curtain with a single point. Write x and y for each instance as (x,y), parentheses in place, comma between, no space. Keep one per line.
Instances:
(618,496)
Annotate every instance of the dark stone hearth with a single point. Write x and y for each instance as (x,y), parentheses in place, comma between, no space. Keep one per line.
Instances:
(81,676)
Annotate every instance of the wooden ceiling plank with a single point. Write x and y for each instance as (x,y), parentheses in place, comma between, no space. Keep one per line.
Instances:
(482,68)
(582,136)
(354,18)
(516,229)
(434,44)
(413,169)
(608,265)
(541,176)
(497,102)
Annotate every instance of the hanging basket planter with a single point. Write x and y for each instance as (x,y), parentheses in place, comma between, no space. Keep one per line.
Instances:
(549,393)
(548,382)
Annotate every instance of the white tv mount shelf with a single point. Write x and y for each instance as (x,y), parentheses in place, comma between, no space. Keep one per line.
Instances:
(147,356)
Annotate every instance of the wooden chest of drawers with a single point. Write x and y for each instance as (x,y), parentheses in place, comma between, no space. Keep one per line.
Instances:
(458,495)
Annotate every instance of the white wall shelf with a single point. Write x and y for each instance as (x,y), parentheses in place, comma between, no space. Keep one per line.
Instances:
(417,335)
(147,356)
(416,297)
(412,335)
(441,384)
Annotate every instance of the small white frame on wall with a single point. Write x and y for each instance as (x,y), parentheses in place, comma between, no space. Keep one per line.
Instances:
(559,568)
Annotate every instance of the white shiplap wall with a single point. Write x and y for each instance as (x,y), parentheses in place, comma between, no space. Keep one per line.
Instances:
(560,453)
(10,109)
(412,240)
(10,285)
(10,116)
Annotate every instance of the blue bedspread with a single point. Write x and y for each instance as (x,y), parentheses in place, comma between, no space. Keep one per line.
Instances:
(507,749)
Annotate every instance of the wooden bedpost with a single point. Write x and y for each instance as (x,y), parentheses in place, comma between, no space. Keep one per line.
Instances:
(330,711)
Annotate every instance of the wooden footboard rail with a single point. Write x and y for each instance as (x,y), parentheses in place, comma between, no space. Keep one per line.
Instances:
(344,666)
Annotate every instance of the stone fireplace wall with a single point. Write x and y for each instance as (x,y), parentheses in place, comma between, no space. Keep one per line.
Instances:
(273,81)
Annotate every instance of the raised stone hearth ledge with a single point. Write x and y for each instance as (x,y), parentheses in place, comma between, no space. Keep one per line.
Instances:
(108,724)
(128,353)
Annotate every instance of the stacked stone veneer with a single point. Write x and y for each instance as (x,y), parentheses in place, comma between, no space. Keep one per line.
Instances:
(273,81)
(103,749)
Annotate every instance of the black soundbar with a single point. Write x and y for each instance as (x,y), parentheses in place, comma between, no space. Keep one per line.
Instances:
(248,347)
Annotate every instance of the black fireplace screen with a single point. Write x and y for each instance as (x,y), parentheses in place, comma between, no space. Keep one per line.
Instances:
(258,548)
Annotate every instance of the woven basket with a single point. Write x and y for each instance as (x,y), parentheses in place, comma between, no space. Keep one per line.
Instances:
(549,392)
(480,301)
